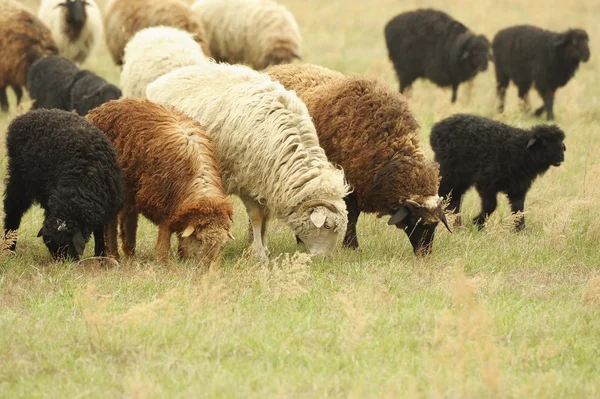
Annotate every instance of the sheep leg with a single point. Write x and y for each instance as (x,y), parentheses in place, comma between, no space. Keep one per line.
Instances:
(351,239)
(18,93)
(163,243)
(454,92)
(524,96)
(3,100)
(110,237)
(257,218)
(128,222)
(517,205)
(502,82)
(99,247)
(488,205)
(549,105)
(15,206)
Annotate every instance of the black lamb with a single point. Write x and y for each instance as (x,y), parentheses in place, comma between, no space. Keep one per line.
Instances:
(430,44)
(526,54)
(493,157)
(56,82)
(59,160)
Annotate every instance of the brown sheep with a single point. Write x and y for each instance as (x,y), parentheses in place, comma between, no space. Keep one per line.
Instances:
(368,129)
(23,39)
(124,18)
(172,177)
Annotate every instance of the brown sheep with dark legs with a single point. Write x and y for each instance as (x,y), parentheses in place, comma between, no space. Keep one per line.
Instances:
(23,39)
(124,18)
(368,129)
(172,177)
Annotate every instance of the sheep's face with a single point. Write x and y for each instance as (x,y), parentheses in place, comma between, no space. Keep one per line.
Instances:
(204,245)
(546,146)
(76,14)
(319,226)
(577,42)
(419,222)
(62,239)
(476,54)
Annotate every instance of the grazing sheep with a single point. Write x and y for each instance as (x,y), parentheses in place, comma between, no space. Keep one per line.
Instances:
(23,39)
(493,157)
(368,129)
(430,44)
(526,54)
(171,177)
(123,18)
(59,160)
(55,82)
(76,26)
(268,149)
(153,52)
(257,33)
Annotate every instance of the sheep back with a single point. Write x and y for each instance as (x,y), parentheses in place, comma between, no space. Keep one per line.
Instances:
(49,82)
(74,42)
(153,52)
(302,77)
(169,163)
(257,33)
(23,39)
(123,18)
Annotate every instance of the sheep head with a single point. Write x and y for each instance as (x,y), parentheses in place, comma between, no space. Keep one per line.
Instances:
(419,222)
(318,224)
(546,146)
(76,14)
(471,54)
(63,239)
(575,44)
(205,245)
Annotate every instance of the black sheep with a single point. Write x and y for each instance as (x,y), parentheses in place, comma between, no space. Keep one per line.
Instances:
(68,166)
(430,44)
(493,157)
(528,55)
(56,82)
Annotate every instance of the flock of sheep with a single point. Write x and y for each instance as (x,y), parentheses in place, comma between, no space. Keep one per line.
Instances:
(211,104)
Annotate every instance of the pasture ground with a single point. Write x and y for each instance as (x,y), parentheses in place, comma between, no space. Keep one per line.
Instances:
(488,314)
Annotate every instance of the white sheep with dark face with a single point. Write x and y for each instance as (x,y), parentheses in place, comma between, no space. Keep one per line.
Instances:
(76,26)
(268,149)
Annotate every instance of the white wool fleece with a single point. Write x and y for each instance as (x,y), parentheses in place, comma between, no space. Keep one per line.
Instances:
(153,52)
(55,17)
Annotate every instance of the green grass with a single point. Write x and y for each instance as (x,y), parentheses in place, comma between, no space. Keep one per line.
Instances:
(488,314)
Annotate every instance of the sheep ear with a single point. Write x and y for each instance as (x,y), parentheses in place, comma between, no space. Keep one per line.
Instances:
(187,232)
(79,243)
(561,40)
(318,218)
(399,216)
(41,232)
(531,142)
(465,54)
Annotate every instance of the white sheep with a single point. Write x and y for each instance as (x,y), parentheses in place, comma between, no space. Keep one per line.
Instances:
(153,52)
(257,33)
(76,26)
(268,149)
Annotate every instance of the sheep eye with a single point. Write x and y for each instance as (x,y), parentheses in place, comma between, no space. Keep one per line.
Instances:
(328,225)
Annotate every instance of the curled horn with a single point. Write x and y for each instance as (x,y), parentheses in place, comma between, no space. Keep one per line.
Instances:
(314,203)
(441,215)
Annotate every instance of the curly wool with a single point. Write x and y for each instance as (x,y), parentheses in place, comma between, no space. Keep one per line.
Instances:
(124,18)
(59,160)
(153,52)
(430,44)
(257,33)
(23,39)
(74,43)
(529,55)
(56,82)
(266,142)
(302,77)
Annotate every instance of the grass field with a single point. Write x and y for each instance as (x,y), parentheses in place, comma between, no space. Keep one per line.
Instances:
(489,314)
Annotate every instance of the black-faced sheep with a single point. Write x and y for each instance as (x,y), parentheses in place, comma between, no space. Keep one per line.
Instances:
(23,39)
(153,52)
(368,129)
(430,44)
(68,166)
(257,33)
(529,55)
(123,18)
(268,149)
(493,157)
(172,177)
(76,26)
(55,82)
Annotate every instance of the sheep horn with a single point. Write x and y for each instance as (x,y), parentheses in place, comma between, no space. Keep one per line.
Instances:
(315,203)
(442,217)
